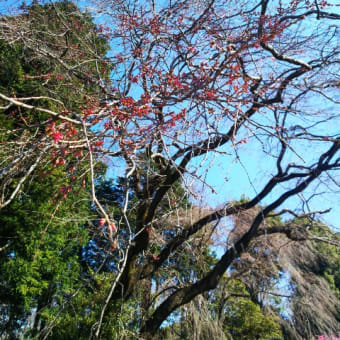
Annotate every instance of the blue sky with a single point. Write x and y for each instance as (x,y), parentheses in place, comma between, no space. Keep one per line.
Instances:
(231,180)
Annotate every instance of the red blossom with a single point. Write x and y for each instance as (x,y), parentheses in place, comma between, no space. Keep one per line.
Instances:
(78,154)
(210,95)
(57,136)
(113,227)
(98,143)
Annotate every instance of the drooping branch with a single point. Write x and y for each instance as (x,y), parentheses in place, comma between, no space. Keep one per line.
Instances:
(211,279)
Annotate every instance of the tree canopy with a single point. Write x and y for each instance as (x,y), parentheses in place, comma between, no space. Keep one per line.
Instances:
(117,121)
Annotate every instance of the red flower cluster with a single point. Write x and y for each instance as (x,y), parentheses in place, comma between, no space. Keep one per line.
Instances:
(54,133)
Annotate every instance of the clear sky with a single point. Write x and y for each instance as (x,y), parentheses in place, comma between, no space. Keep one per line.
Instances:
(247,176)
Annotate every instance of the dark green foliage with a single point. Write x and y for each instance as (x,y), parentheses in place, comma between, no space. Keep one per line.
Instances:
(46,63)
(44,236)
(44,229)
(244,319)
